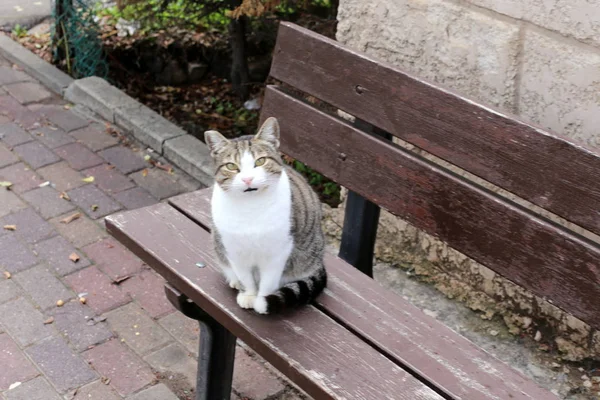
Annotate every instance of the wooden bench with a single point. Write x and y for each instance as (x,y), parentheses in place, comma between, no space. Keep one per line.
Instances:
(358,340)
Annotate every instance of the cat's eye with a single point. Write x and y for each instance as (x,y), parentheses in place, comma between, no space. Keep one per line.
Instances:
(260,161)
(231,166)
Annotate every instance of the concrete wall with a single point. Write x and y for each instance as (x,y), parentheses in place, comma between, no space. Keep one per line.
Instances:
(539,59)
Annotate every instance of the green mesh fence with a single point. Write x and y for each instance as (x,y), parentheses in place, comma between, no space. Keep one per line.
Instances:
(76,39)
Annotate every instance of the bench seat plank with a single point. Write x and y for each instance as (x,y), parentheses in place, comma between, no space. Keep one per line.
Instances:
(396,328)
(319,355)
(543,168)
(548,260)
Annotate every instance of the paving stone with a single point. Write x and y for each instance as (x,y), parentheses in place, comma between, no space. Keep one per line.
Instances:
(157,392)
(14,255)
(140,332)
(93,201)
(8,290)
(102,294)
(67,120)
(62,176)
(114,259)
(251,379)
(43,287)
(127,373)
(107,178)
(78,156)
(135,198)
(6,156)
(80,232)
(174,360)
(56,251)
(147,289)
(51,136)
(159,183)
(28,92)
(35,389)
(31,228)
(184,329)
(36,154)
(24,322)
(9,202)
(47,202)
(15,366)
(74,321)
(124,159)
(12,135)
(63,368)
(18,113)
(96,391)
(10,75)
(94,137)
(21,176)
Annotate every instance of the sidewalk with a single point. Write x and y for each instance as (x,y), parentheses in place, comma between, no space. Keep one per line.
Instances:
(125,341)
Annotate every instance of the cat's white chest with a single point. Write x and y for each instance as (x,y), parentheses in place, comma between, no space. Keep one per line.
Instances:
(254,226)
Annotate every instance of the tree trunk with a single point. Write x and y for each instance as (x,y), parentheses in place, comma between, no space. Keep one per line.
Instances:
(240,77)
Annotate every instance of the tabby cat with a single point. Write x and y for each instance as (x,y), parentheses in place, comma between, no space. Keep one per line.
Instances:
(266,223)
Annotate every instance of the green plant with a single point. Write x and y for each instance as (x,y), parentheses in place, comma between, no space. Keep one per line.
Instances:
(327,189)
(19,31)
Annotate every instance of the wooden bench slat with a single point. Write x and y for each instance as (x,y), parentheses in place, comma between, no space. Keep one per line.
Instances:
(395,327)
(547,170)
(545,259)
(318,354)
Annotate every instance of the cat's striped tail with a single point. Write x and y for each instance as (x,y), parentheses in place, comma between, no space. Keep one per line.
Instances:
(297,293)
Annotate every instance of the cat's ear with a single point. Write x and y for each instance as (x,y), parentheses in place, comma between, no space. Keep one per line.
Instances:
(269,132)
(215,141)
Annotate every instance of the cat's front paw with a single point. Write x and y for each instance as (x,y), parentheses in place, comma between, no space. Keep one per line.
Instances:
(235,284)
(245,300)
(260,305)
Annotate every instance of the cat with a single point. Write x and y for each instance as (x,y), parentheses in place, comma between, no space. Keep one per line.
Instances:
(266,221)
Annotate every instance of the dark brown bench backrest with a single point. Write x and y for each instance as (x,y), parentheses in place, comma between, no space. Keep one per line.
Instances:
(549,171)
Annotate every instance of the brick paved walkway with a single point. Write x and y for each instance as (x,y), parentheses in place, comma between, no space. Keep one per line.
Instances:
(126,341)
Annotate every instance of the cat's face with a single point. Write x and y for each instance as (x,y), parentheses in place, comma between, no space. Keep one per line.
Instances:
(248,164)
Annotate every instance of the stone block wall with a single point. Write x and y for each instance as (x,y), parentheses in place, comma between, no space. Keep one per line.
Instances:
(539,59)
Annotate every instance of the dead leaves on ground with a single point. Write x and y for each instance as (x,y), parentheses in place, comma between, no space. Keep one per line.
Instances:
(10,227)
(70,218)
(74,257)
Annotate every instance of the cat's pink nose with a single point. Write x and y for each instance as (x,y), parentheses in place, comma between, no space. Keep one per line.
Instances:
(247,180)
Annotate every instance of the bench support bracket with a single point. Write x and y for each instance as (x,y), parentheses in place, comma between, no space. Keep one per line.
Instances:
(217,350)
(360,221)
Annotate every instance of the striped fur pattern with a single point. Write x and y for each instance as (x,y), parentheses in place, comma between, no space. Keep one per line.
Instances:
(266,223)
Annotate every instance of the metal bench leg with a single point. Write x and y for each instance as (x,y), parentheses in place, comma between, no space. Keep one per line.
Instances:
(215,361)
(359,233)
(216,354)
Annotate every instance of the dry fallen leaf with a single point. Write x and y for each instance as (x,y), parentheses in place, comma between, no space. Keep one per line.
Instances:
(60,303)
(105,380)
(49,321)
(121,279)
(74,257)
(82,300)
(5,184)
(94,207)
(70,218)
(89,179)
(7,274)
(65,196)
(10,227)
(145,172)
